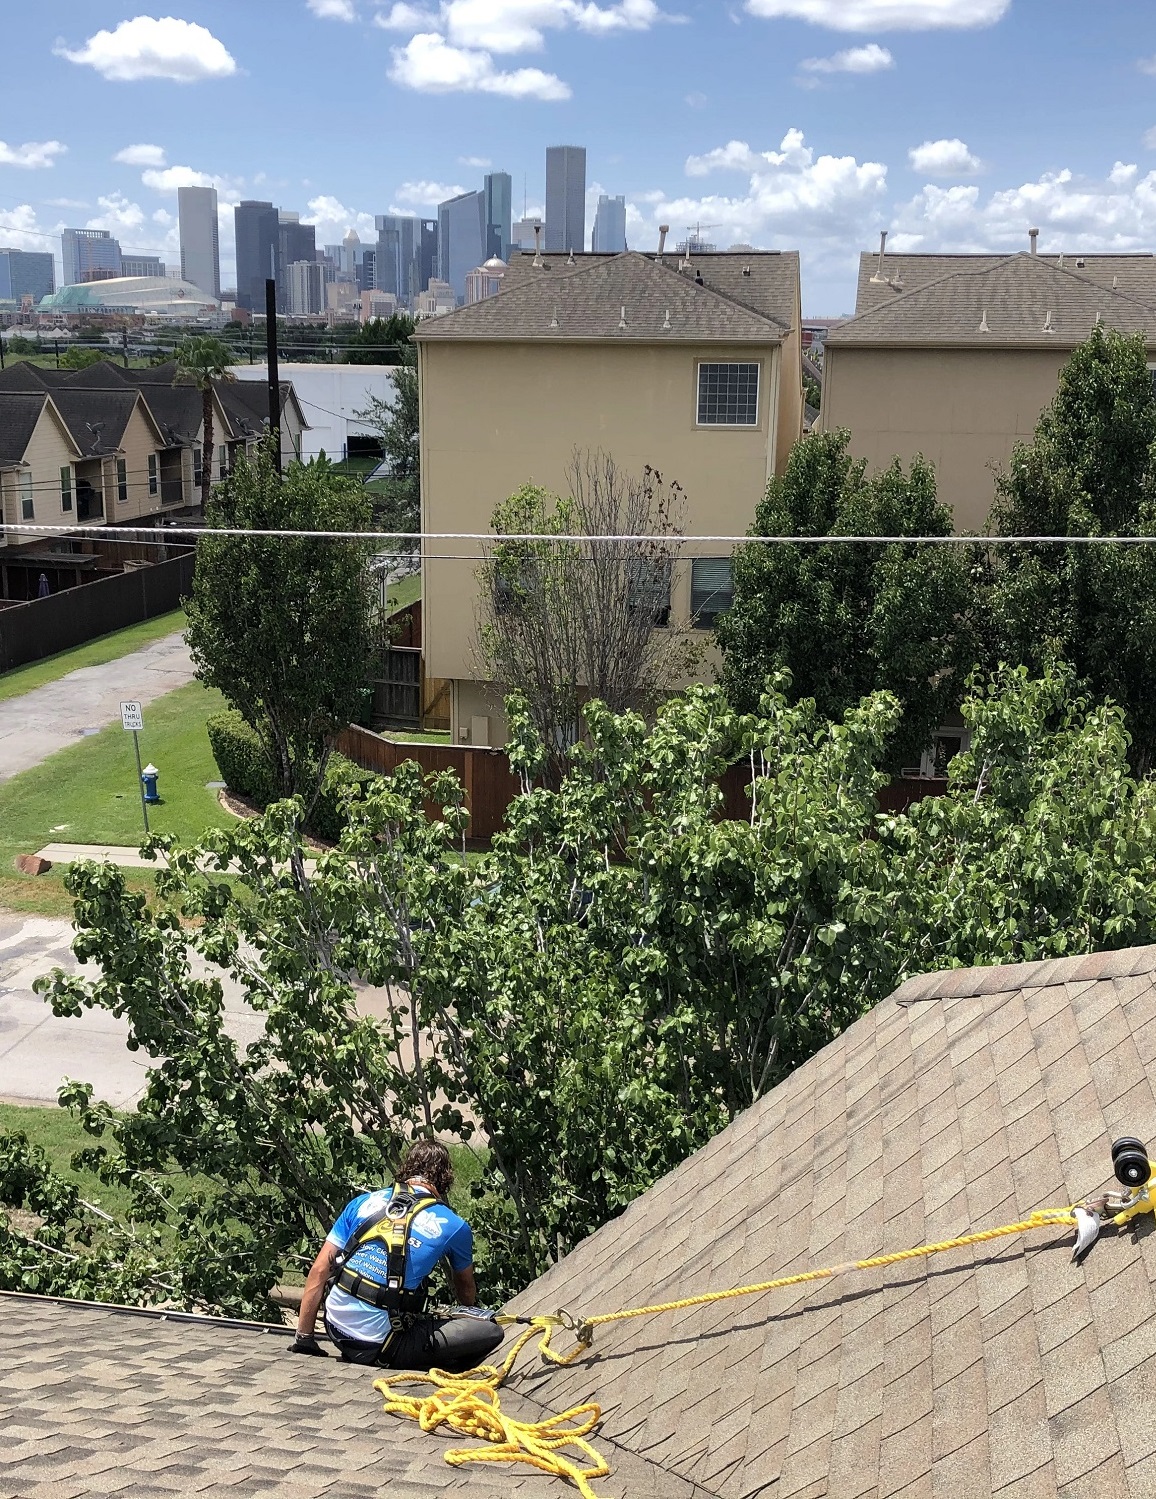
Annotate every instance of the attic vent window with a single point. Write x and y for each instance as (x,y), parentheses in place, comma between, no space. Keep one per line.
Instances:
(728,395)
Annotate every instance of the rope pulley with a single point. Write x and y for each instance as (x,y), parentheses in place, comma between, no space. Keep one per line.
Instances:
(1133,1170)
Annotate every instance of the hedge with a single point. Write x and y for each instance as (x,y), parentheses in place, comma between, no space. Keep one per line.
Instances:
(245,768)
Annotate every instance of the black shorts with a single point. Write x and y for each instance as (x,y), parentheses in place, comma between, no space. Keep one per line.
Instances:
(452,1343)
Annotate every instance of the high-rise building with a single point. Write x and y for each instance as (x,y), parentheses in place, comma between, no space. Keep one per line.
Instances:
(26,273)
(200,241)
(258,229)
(89,255)
(306,283)
(498,189)
(523,234)
(296,243)
(609,237)
(565,198)
(461,239)
(367,268)
(394,268)
(427,254)
(142,265)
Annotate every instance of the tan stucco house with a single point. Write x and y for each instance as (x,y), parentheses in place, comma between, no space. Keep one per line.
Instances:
(956,356)
(692,367)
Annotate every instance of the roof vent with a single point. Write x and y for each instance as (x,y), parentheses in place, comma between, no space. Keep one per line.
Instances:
(622,318)
(663,231)
(666,322)
(1081,263)
(1048,324)
(1115,283)
(879,277)
(983,328)
(698,281)
(570,258)
(554,319)
(1061,260)
(1099,318)
(1033,239)
(538,262)
(746,270)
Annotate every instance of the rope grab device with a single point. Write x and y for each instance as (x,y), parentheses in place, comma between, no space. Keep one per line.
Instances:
(470,1405)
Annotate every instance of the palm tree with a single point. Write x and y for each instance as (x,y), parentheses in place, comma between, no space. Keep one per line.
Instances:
(200,362)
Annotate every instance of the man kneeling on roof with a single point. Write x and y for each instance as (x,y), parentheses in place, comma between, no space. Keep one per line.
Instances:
(372,1271)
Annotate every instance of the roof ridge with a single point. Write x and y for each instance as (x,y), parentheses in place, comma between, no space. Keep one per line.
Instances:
(1041,973)
(727,296)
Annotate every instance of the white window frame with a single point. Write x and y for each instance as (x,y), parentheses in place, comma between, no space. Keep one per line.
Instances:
(121,481)
(67,489)
(704,364)
(154,474)
(27,496)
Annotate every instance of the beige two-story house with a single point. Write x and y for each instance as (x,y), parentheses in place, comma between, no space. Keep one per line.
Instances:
(955,356)
(692,367)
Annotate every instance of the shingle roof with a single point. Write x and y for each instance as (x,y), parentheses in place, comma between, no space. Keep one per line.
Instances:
(95,419)
(1003,1369)
(1023,300)
(23,376)
(771,289)
(1133,274)
(587,302)
(19,413)
(964,1101)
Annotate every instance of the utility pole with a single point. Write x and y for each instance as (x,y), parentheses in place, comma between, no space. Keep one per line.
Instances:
(274,374)
(124,344)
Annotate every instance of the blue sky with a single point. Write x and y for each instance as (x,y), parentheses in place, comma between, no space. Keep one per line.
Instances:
(808,124)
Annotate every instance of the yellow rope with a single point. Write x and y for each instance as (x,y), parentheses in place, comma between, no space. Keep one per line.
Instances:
(469,1403)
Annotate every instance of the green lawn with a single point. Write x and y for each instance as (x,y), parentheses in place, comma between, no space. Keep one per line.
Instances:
(92,653)
(404,592)
(88,793)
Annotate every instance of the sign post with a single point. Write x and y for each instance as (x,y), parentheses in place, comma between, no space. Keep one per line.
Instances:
(132,719)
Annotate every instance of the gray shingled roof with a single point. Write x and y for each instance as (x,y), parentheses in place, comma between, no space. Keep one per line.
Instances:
(771,289)
(19,413)
(998,1370)
(587,301)
(23,376)
(95,419)
(1015,295)
(1133,274)
(964,1101)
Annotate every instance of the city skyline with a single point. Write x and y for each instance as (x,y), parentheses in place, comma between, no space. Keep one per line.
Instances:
(916,116)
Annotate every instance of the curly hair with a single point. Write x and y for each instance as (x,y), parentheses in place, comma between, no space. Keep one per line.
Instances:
(430,1160)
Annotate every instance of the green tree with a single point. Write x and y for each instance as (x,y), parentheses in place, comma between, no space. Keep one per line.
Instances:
(381,340)
(1087,472)
(845,620)
(78,358)
(204,362)
(283,626)
(397,498)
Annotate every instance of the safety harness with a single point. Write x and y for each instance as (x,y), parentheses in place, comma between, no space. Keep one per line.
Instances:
(390,1227)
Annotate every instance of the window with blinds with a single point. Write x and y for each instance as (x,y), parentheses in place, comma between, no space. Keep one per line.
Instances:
(710,590)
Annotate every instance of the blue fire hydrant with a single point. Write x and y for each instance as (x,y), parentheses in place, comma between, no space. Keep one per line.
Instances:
(149,776)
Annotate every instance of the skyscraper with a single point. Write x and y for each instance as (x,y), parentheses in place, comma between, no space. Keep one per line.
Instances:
(296,244)
(565,198)
(609,237)
(427,254)
(200,242)
(89,255)
(498,189)
(26,273)
(394,268)
(461,239)
(258,227)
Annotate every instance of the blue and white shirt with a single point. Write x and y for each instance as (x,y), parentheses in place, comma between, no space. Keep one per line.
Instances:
(436,1232)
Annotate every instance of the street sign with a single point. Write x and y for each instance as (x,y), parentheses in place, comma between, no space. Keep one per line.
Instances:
(131,717)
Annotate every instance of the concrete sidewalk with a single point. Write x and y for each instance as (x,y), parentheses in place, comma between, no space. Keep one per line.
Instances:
(123,857)
(38,723)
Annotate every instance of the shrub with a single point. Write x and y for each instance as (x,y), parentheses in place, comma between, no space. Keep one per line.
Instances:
(328,817)
(241,757)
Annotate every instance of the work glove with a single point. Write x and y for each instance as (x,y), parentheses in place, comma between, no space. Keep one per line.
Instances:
(307,1345)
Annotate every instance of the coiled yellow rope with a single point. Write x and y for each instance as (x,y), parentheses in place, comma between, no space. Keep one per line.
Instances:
(469,1403)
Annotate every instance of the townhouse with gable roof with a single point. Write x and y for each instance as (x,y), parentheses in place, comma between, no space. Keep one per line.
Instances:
(956,356)
(690,366)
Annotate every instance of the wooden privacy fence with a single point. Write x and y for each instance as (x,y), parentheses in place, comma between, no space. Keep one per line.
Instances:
(489,783)
(491,786)
(41,627)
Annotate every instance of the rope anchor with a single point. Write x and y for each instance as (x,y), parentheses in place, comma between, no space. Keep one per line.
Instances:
(470,1404)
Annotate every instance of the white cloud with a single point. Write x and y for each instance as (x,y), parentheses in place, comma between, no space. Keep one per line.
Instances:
(883,15)
(403,17)
(171,178)
(142,156)
(1147,65)
(21,229)
(696,100)
(793,197)
(152,47)
(481,162)
(333,220)
(519,25)
(418,195)
(948,158)
(429,64)
(1150,138)
(869,59)
(333,10)
(1123,173)
(32,155)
